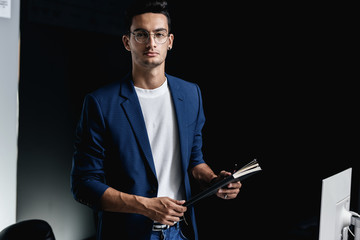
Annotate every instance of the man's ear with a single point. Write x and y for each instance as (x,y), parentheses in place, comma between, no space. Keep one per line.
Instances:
(126,40)
(171,41)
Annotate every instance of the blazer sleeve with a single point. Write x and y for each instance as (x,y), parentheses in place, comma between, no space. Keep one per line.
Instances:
(87,174)
(196,150)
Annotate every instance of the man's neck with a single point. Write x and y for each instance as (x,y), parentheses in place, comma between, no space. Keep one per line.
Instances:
(148,79)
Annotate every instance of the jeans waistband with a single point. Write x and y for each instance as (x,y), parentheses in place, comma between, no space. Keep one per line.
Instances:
(160,227)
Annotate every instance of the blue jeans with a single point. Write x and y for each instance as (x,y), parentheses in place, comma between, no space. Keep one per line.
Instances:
(172,233)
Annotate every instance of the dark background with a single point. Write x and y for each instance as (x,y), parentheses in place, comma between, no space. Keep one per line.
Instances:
(277,85)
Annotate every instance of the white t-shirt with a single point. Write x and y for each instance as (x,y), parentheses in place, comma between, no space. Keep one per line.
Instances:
(161,124)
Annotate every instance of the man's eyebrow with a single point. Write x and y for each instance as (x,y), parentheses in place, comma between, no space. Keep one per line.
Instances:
(139,29)
(160,29)
(156,30)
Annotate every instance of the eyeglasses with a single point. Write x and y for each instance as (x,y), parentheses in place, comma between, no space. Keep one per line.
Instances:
(142,36)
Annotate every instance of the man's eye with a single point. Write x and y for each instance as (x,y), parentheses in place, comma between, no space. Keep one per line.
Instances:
(160,35)
(141,35)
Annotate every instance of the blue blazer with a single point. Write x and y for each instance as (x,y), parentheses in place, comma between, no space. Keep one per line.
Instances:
(112,149)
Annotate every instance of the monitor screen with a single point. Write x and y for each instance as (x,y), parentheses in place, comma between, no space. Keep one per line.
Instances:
(335,203)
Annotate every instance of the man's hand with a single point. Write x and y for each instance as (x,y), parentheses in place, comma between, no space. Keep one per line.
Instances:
(164,210)
(231,190)
(206,176)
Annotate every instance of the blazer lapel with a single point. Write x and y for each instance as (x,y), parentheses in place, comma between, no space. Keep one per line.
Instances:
(133,111)
(180,110)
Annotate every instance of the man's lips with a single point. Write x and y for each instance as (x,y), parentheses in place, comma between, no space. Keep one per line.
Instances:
(151,53)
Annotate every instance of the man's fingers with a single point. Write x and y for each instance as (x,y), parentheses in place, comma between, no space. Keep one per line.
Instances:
(170,221)
(177,206)
(229,191)
(174,210)
(234,185)
(224,173)
(227,194)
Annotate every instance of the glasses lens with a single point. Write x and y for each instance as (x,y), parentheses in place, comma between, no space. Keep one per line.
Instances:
(161,37)
(141,36)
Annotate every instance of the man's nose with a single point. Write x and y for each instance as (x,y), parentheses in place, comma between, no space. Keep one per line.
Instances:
(151,42)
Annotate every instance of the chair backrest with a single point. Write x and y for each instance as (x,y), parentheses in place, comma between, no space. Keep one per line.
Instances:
(29,229)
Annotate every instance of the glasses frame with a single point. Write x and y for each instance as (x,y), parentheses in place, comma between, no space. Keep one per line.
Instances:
(148,37)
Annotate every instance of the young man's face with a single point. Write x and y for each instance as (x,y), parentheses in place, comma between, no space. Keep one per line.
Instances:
(149,53)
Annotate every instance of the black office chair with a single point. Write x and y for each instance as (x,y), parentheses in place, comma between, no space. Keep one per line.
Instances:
(29,229)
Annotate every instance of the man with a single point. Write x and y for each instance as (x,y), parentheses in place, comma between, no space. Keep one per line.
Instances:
(139,138)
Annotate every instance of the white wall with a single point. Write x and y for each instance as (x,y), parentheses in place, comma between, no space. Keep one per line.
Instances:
(9,75)
(47,132)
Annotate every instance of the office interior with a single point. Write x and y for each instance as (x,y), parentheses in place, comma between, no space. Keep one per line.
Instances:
(277,84)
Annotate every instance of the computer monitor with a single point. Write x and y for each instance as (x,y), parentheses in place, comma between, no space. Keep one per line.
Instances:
(335,203)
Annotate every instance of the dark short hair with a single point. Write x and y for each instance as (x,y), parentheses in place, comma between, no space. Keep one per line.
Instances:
(146,6)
